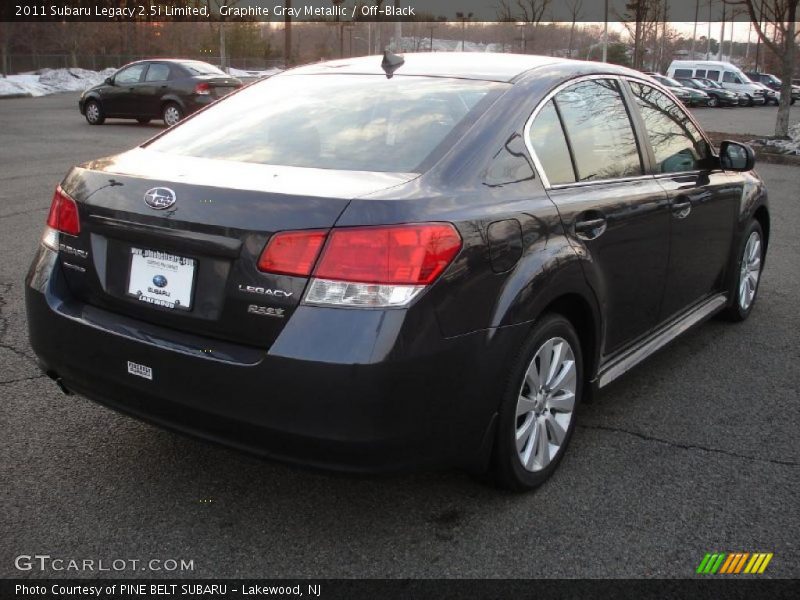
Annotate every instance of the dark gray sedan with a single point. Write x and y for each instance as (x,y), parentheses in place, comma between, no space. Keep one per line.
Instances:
(167,89)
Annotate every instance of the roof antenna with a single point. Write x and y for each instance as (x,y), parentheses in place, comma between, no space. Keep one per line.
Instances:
(391,62)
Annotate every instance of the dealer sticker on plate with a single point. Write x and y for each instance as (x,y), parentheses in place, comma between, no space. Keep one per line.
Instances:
(161,278)
(140,370)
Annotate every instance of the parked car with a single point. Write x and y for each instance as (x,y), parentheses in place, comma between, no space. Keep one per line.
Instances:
(689,95)
(717,96)
(167,89)
(368,265)
(773,83)
(727,75)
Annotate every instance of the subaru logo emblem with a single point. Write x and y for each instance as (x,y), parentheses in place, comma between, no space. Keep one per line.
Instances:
(159,198)
(160,281)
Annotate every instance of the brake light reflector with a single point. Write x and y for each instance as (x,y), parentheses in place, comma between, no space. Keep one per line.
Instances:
(413,254)
(202,89)
(292,252)
(63,214)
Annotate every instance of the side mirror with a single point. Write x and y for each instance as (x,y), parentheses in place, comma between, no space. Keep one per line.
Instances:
(734,156)
(109,81)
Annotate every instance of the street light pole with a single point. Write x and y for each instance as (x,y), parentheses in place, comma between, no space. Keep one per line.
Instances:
(463,18)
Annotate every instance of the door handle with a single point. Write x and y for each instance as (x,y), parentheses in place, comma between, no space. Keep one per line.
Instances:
(681,208)
(590,226)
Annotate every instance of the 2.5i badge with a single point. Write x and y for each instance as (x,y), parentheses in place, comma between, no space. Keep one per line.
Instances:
(140,370)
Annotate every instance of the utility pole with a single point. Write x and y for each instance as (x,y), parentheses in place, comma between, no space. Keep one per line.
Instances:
(287,34)
(708,37)
(721,33)
(694,32)
(605,31)
(432,27)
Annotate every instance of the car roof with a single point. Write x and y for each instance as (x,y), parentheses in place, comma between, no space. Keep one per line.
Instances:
(487,66)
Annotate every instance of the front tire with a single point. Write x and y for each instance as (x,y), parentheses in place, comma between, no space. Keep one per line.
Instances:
(171,113)
(748,273)
(94,113)
(537,415)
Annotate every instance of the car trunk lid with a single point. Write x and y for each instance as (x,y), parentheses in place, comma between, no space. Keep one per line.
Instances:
(190,261)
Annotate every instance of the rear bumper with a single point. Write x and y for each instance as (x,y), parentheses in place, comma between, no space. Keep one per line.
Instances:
(412,399)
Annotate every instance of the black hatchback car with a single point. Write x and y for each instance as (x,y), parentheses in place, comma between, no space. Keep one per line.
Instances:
(167,89)
(366,265)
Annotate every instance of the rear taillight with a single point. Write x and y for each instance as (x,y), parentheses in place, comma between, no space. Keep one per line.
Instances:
(364,266)
(292,252)
(202,89)
(402,254)
(63,214)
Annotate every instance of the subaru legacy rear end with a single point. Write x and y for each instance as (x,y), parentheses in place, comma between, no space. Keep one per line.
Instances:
(231,278)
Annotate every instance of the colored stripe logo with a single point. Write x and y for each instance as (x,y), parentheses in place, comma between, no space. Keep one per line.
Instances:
(734,563)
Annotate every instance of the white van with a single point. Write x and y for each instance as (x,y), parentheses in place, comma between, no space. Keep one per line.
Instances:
(727,75)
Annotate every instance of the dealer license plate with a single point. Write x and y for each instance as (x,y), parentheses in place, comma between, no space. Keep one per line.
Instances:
(161,278)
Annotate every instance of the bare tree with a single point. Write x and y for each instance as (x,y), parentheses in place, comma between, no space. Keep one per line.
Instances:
(575,8)
(782,15)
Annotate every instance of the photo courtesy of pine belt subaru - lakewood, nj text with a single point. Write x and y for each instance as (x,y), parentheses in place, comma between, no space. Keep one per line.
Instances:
(393,262)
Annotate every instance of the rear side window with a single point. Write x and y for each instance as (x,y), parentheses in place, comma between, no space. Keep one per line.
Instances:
(683,73)
(345,122)
(713,75)
(677,144)
(700,73)
(547,139)
(157,72)
(599,130)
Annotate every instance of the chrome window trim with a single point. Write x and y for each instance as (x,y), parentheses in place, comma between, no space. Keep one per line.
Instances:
(526,132)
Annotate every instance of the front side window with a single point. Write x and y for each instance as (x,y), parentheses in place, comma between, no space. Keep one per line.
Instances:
(599,130)
(157,72)
(677,144)
(547,139)
(130,75)
(346,122)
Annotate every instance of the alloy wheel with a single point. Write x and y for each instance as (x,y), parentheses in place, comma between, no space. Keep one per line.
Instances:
(92,112)
(750,270)
(171,115)
(545,404)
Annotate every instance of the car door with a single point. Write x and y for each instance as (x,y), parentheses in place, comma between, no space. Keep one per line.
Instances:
(703,200)
(120,99)
(585,146)
(155,85)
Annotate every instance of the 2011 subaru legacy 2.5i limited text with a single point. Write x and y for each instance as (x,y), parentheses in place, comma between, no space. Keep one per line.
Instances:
(377,264)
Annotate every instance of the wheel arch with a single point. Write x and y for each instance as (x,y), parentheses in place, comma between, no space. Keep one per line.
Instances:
(761,215)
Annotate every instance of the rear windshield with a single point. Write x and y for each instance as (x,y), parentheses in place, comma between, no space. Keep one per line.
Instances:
(201,68)
(347,122)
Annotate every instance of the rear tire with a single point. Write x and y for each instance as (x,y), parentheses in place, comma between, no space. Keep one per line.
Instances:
(713,102)
(171,113)
(750,262)
(537,414)
(94,113)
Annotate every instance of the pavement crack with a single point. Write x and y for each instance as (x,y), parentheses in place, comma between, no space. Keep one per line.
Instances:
(651,438)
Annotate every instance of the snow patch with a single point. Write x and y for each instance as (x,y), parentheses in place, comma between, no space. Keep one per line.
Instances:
(790,146)
(52,81)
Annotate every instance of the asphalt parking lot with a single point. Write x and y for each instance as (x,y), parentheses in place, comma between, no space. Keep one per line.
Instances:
(695,451)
